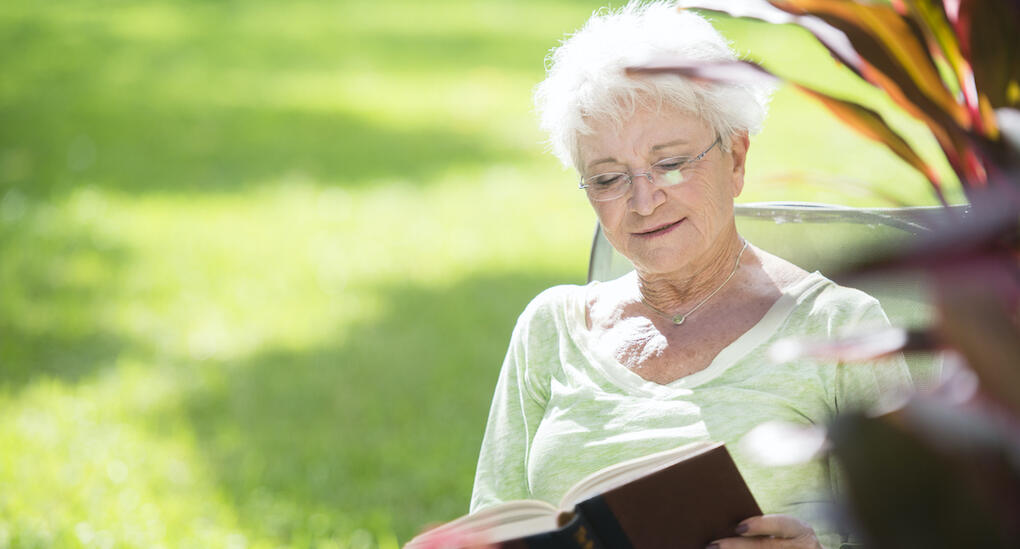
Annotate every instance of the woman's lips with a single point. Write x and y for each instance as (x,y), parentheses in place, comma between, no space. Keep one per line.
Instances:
(660,230)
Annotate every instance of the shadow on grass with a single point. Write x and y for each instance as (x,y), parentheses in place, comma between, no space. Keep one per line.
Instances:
(82,102)
(138,148)
(56,287)
(384,426)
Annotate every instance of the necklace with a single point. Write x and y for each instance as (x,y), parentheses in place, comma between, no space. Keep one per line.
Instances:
(678,318)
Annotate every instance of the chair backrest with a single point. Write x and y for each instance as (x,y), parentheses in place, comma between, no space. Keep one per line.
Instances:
(819,237)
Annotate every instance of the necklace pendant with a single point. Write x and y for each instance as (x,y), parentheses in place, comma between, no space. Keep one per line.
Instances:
(679,319)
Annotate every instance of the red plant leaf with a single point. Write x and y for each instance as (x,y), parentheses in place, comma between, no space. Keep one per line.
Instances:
(832,38)
(734,72)
(942,42)
(990,40)
(871,124)
(856,347)
(894,56)
(862,119)
(975,321)
(906,72)
(975,242)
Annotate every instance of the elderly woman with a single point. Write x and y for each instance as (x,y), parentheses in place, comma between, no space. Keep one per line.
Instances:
(674,352)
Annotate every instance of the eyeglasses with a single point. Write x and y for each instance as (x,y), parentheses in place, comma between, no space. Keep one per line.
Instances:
(664,173)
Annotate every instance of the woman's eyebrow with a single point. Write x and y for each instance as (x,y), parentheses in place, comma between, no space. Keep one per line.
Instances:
(656,148)
(680,141)
(607,160)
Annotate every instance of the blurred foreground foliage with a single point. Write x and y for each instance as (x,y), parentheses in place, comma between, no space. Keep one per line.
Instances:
(942,470)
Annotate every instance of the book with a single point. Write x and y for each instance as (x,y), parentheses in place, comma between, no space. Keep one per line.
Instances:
(677,499)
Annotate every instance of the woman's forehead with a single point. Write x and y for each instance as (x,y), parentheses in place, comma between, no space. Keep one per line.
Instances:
(643,133)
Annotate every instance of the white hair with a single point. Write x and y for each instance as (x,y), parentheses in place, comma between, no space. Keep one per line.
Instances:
(586,82)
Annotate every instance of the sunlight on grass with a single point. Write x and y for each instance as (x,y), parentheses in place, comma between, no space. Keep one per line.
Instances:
(91,476)
(203,285)
(206,260)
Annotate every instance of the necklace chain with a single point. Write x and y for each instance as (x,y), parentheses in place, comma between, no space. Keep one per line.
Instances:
(678,318)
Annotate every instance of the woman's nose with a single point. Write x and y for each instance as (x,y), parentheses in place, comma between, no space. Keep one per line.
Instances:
(645,196)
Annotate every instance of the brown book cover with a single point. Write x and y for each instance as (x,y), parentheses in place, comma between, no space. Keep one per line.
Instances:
(684,505)
(678,499)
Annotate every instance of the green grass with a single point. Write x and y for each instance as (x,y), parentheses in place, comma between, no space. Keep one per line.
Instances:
(259,262)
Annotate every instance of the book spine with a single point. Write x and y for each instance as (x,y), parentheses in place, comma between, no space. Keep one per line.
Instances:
(603,523)
(576,534)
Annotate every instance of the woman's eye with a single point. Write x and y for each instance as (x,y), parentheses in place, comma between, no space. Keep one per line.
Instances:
(607,180)
(671,165)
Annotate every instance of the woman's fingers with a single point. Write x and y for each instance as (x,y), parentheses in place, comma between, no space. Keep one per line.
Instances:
(770,532)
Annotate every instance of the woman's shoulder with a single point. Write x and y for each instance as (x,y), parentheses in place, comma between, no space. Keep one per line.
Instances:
(557,296)
(824,303)
(553,313)
(813,289)
(554,302)
(570,307)
(824,294)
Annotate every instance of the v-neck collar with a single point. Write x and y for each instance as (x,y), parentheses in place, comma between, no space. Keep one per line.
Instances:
(627,379)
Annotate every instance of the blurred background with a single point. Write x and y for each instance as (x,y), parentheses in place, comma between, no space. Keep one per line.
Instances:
(259,261)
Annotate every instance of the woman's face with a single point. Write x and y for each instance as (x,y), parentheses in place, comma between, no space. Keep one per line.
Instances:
(674,229)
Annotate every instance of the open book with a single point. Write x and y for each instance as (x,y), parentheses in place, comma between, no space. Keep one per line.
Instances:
(680,498)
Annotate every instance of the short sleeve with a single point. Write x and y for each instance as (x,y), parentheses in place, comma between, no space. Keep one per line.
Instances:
(871,385)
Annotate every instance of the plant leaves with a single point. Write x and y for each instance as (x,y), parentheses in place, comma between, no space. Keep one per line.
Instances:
(977,243)
(928,475)
(857,347)
(866,121)
(734,72)
(975,321)
(990,39)
(832,38)
(871,124)
(894,59)
(947,120)
(942,42)
(894,56)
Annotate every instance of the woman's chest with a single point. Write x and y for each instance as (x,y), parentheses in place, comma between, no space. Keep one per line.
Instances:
(664,354)
(657,359)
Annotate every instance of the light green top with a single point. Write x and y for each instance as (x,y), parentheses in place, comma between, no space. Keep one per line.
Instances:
(563,410)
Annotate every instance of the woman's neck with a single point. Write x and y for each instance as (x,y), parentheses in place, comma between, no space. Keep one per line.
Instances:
(679,292)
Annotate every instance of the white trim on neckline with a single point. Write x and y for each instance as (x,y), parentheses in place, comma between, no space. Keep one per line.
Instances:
(625,378)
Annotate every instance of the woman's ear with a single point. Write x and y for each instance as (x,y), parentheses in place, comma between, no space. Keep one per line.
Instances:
(739,142)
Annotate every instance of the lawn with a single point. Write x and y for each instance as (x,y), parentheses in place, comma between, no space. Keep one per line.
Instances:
(259,261)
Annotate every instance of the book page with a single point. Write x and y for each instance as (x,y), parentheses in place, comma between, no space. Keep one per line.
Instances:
(627,471)
(493,524)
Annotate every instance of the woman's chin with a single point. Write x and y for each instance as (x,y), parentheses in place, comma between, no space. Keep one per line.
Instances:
(665,262)
(670,255)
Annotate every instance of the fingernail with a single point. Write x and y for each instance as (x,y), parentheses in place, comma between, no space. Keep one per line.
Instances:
(742,528)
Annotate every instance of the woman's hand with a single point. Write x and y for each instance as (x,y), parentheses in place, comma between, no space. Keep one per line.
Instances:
(770,531)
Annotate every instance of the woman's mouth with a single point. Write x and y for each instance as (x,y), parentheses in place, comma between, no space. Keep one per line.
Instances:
(660,230)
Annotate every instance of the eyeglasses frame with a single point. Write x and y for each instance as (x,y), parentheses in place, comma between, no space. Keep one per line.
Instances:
(630,177)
